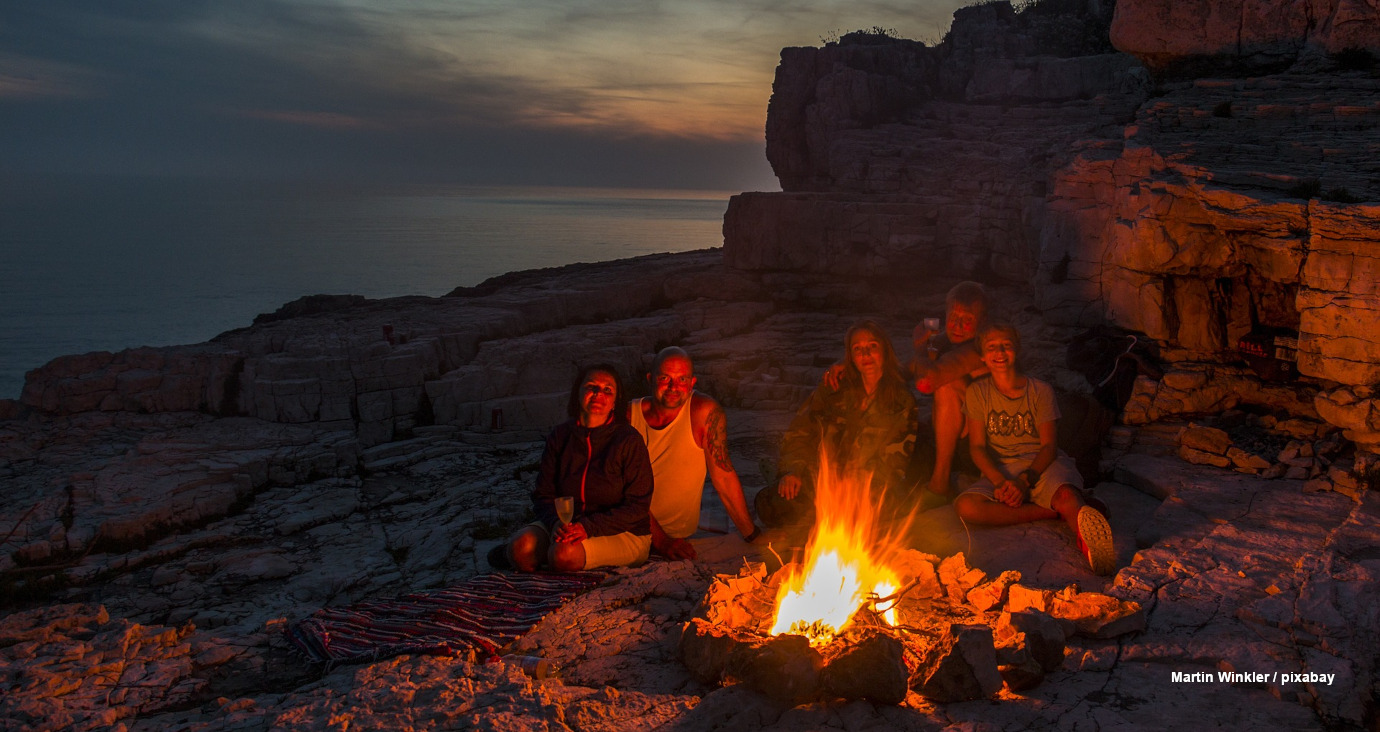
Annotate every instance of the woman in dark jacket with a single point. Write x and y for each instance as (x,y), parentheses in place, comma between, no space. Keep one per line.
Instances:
(601,464)
(866,426)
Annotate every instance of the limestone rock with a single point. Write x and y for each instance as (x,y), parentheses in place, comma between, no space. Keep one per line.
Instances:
(957,578)
(1206,439)
(1198,457)
(960,667)
(705,648)
(872,668)
(993,594)
(1097,615)
(1249,461)
(783,667)
(1256,34)
(1041,633)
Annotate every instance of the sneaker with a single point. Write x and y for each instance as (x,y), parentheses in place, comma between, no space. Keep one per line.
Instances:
(1095,541)
(498,557)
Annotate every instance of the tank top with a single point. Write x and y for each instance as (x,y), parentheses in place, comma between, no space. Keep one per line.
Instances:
(678,470)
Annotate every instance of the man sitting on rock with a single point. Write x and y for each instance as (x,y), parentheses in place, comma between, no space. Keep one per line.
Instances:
(687,438)
(953,362)
(1012,428)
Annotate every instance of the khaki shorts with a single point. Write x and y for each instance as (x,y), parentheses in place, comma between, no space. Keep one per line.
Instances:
(619,550)
(1063,471)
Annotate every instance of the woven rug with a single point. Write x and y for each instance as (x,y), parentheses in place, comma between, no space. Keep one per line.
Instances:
(484,614)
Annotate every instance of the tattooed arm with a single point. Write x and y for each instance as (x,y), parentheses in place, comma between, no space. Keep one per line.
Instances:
(721,473)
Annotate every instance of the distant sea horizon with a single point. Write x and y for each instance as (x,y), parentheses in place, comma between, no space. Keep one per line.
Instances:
(107,264)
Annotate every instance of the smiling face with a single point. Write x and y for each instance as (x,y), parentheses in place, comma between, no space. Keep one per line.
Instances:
(999,352)
(673,382)
(866,352)
(598,394)
(961,322)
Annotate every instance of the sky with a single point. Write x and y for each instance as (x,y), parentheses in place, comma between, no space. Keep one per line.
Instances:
(578,92)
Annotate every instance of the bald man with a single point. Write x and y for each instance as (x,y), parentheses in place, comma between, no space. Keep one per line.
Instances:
(687,438)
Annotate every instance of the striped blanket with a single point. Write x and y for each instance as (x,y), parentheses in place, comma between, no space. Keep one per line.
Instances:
(483,614)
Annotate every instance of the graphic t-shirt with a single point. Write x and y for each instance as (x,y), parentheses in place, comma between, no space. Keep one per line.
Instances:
(1012,425)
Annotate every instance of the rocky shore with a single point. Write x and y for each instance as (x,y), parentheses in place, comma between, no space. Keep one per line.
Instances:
(168,511)
(153,559)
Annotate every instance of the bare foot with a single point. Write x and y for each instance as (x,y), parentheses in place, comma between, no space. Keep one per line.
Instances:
(939,483)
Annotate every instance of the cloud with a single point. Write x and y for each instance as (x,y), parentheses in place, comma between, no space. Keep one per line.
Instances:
(189,85)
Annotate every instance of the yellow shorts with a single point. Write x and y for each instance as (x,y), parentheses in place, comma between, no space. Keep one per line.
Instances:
(618,550)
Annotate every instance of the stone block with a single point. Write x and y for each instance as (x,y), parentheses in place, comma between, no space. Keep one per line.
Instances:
(1199,457)
(962,666)
(1205,439)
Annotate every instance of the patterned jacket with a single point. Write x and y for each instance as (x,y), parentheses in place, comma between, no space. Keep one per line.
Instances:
(878,440)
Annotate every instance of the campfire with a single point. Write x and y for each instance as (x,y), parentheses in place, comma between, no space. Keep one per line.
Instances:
(846,566)
(862,616)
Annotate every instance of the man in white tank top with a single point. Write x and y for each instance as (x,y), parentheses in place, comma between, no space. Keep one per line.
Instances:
(687,438)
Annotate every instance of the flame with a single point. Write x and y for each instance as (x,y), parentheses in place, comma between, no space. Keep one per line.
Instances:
(845,562)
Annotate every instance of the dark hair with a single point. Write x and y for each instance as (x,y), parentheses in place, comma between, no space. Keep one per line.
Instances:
(620,399)
(892,376)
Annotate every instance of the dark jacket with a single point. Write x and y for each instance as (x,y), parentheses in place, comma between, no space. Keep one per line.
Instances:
(878,441)
(605,469)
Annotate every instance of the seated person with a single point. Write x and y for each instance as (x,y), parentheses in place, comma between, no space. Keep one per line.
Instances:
(601,463)
(1025,477)
(944,366)
(867,424)
(687,437)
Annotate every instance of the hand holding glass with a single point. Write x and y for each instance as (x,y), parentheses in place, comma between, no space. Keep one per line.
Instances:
(565,509)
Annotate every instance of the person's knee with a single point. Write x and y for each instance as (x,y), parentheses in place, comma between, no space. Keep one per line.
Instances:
(568,557)
(525,550)
(1066,497)
(968,506)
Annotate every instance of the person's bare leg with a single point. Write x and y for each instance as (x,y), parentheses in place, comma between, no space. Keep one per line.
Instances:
(527,549)
(1089,527)
(1066,503)
(568,557)
(948,426)
(979,509)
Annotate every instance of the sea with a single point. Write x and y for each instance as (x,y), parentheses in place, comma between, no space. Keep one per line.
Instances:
(107,264)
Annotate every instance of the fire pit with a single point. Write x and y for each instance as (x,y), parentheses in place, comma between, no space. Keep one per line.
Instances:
(864,617)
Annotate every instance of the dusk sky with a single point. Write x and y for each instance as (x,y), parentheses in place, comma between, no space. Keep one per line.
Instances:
(578,92)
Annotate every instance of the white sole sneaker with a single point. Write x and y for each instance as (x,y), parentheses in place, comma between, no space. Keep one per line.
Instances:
(1095,537)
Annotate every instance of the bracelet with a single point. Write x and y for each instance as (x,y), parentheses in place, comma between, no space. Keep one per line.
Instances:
(756,532)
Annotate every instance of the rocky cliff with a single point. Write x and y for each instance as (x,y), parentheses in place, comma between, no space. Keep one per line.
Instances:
(1144,189)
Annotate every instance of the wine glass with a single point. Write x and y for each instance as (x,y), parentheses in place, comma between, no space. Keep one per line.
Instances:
(565,509)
